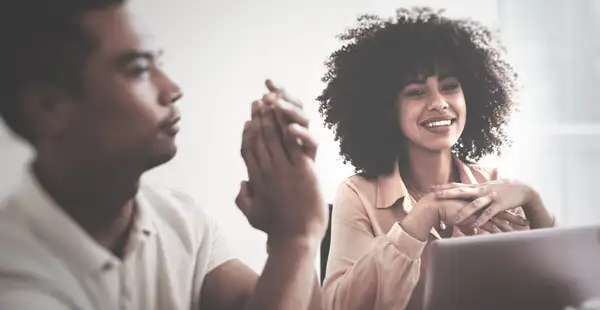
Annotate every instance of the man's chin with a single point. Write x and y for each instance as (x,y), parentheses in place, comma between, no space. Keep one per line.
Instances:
(161,158)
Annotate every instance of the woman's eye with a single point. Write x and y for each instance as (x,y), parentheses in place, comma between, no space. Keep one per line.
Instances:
(451,86)
(415,93)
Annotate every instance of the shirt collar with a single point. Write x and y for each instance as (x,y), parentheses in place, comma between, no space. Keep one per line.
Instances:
(145,221)
(63,235)
(391,188)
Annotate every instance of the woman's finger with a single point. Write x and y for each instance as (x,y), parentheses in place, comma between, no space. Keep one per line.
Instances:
(512,218)
(474,207)
(440,187)
(462,192)
(503,225)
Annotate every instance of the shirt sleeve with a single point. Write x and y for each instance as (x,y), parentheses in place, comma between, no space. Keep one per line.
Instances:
(215,249)
(220,251)
(214,253)
(29,299)
(364,271)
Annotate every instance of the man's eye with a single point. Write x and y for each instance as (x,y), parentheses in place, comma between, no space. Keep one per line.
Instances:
(139,70)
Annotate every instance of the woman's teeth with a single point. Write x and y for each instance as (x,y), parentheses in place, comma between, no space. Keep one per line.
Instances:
(439,123)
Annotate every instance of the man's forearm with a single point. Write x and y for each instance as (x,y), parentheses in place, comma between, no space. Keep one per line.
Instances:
(288,280)
(315,301)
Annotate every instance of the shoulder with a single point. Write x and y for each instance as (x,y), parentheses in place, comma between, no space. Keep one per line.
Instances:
(360,183)
(20,248)
(185,226)
(484,173)
(356,194)
(173,204)
(174,211)
(26,262)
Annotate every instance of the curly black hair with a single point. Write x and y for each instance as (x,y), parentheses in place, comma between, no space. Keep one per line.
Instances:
(366,74)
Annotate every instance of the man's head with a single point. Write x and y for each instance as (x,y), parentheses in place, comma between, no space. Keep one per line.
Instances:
(82,82)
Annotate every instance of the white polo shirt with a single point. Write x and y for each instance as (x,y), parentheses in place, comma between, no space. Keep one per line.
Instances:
(48,262)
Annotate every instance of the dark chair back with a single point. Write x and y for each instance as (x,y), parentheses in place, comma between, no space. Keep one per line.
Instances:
(325,246)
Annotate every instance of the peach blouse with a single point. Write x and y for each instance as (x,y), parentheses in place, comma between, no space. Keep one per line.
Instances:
(373,263)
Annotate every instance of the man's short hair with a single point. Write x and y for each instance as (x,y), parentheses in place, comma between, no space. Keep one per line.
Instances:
(45,44)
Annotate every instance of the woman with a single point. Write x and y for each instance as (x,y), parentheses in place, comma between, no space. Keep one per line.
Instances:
(415,102)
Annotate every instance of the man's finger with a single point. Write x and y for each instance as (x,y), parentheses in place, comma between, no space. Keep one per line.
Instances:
(249,138)
(291,113)
(286,114)
(259,147)
(256,106)
(272,87)
(271,137)
(298,136)
(244,199)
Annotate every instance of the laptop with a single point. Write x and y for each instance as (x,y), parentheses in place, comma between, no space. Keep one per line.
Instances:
(542,269)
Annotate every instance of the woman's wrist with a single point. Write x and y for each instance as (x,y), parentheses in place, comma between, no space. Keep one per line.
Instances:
(420,220)
(536,212)
(533,202)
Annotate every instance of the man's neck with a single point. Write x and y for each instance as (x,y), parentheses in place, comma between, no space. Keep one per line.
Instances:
(101,201)
(426,168)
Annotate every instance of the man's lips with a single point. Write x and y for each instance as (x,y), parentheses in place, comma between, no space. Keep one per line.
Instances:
(173,122)
(171,127)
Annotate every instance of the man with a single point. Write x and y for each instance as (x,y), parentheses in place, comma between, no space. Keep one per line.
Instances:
(80,82)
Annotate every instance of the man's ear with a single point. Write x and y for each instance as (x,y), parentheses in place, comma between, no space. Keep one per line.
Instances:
(46,110)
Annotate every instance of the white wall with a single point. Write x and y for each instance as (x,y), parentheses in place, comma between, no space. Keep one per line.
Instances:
(555,45)
(220,52)
(223,51)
